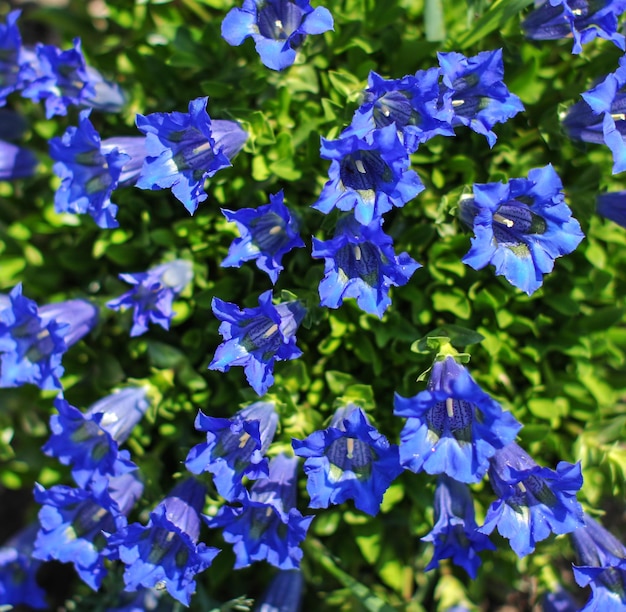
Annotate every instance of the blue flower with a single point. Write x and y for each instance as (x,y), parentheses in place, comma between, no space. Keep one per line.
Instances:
(184,149)
(142,600)
(256,338)
(559,601)
(74,521)
(370,175)
(18,569)
(91,169)
(453,426)
(613,206)
(533,501)
(284,594)
(412,103)
(348,460)
(267,233)
(603,559)
(582,19)
(33,340)
(601,116)
(480,98)
(166,553)
(234,447)
(89,441)
(14,66)
(360,262)
(16,162)
(267,526)
(520,227)
(454,535)
(278,28)
(153,294)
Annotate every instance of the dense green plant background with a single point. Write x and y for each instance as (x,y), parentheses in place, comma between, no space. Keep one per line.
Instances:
(555,359)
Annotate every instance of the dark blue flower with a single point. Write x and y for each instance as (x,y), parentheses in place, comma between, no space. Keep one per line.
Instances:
(74,522)
(454,535)
(453,426)
(480,98)
(89,441)
(559,601)
(33,340)
(256,338)
(284,594)
(603,567)
(166,553)
(278,27)
(14,66)
(18,569)
(267,526)
(370,174)
(520,227)
(142,600)
(184,149)
(267,233)
(412,103)
(613,206)
(234,448)
(533,501)
(360,263)
(16,162)
(582,19)
(601,116)
(348,460)
(153,294)
(91,169)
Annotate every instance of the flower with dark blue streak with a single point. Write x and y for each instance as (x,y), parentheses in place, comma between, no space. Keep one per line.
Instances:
(284,593)
(583,20)
(153,294)
(16,162)
(91,169)
(412,103)
(454,535)
(603,567)
(166,553)
(267,233)
(360,263)
(184,149)
(453,426)
(14,67)
(369,175)
(33,340)
(278,28)
(533,501)
(267,526)
(520,227)
(348,460)
(89,441)
(18,570)
(479,97)
(256,338)
(74,522)
(234,448)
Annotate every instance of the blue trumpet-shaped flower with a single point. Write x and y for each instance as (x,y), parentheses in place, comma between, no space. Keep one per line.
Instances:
(267,233)
(153,294)
(520,227)
(234,448)
(89,441)
(583,20)
(166,553)
(533,501)
(91,169)
(479,97)
(267,526)
(613,206)
(14,66)
(453,426)
(74,521)
(369,175)
(603,567)
(454,535)
(360,263)
(16,162)
(349,460)
(18,569)
(284,594)
(33,340)
(412,103)
(256,338)
(184,149)
(278,28)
